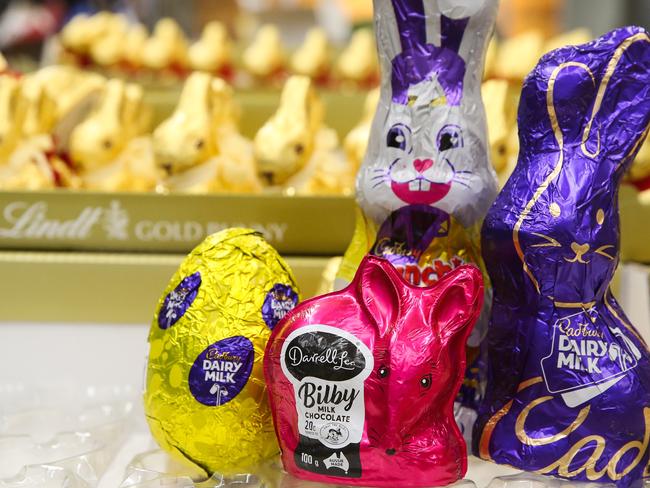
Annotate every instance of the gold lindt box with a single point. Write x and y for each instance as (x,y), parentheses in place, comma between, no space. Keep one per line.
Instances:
(94,257)
(149,222)
(105,257)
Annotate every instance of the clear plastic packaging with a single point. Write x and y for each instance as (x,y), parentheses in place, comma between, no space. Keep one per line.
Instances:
(61,435)
(529,480)
(44,477)
(155,469)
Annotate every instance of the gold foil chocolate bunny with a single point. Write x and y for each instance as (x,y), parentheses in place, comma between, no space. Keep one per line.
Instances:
(10,116)
(313,58)
(108,148)
(166,49)
(358,62)
(52,101)
(28,165)
(109,49)
(83,31)
(134,42)
(500,98)
(491,59)
(356,142)
(265,57)
(213,51)
(198,148)
(295,151)
(518,55)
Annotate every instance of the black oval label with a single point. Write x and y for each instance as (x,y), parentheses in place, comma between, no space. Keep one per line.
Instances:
(323,355)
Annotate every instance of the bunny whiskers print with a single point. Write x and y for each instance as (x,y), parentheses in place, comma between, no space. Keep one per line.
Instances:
(569,378)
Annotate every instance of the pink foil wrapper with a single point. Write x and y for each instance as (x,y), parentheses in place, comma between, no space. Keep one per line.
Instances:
(362,381)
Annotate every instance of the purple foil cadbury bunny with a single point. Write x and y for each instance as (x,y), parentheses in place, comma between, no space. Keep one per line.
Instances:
(569,376)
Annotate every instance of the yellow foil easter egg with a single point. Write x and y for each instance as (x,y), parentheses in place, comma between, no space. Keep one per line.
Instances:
(205,397)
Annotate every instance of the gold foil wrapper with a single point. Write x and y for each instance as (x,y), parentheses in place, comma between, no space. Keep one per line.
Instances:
(205,397)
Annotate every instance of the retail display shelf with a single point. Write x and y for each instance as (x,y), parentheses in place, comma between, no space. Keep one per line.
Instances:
(102,287)
(635,222)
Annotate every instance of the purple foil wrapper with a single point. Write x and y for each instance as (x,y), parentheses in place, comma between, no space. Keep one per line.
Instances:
(569,376)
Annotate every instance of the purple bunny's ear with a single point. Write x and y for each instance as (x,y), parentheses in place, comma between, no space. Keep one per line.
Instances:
(377,284)
(570,95)
(621,111)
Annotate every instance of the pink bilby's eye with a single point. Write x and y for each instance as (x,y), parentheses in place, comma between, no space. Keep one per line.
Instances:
(383,372)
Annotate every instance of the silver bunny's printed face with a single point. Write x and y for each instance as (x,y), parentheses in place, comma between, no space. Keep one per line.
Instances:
(426,153)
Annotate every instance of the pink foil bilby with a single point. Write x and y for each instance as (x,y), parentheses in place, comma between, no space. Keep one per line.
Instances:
(362,381)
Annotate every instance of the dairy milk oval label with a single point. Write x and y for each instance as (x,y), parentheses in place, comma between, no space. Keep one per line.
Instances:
(280,300)
(221,371)
(179,300)
(327,368)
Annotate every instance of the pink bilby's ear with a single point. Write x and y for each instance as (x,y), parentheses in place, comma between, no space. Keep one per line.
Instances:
(378,285)
(456,302)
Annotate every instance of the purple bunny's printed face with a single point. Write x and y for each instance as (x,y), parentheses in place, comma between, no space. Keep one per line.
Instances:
(567,233)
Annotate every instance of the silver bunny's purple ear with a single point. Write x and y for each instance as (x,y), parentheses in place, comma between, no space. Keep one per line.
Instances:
(411,24)
(452,32)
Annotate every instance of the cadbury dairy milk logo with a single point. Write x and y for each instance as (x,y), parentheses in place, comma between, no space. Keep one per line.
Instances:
(38,220)
(221,371)
(278,302)
(327,368)
(586,357)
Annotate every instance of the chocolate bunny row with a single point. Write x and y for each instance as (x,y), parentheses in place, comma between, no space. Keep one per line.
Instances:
(112,42)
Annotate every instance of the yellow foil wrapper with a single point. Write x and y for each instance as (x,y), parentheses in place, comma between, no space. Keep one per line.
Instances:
(423,266)
(205,397)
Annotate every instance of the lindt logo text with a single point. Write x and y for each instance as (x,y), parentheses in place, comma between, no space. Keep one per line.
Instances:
(32,221)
